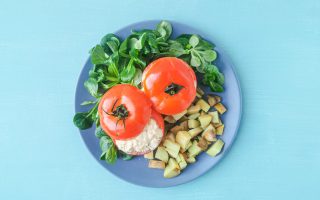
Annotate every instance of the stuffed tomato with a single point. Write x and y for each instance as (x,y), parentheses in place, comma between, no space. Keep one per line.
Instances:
(171,84)
(126,115)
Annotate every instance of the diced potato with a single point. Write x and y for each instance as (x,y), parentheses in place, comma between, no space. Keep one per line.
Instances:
(191,160)
(200,91)
(216,148)
(172,169)
(177,128)
(202,113)
(162,154)
(158,164)
(198,95)
(194,132)
(209,128)
(203,105)
(212,101)
(193,109)
(183,119)
(179,115)
(170,119)
(205,120)
(220,108)
(171,136)
(216,125)
(183,138)
(215,116)
(209,136)
(189,145)
(184,125)
(172,148)
(194,116)
(182,162)
(218,98)
(220,129)
(202,144)
(148,155)
(194,150)
(192,123)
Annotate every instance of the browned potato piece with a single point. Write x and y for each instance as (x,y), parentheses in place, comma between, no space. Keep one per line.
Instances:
(179,115)
(218,98)
(172,148)
(148,155)
(162,154)
(177,128)
(194,116)
(209,135)
(170,136)
(205,120)
(220,129)
(184,125)
(202,144)
(169,119)
(203,105)
(194,132)
(157,164)
(172,169)
(191,160)
(192,123)
(215,116)
(220,108)
(212,101)
(193,109)
(183,138)
(216,125)
(182,119)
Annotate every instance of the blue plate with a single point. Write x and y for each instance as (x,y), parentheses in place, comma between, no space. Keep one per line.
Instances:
(136,171)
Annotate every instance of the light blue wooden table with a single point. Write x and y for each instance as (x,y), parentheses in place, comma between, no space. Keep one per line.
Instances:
(275,46)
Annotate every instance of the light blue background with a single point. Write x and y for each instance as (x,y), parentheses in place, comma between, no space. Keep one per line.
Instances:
(275,46)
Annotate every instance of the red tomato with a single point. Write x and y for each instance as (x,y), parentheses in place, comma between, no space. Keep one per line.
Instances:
(124,111)
(170,83)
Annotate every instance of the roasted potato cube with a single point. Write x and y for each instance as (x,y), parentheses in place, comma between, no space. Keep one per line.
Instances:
(194,132)
(177,128)
(203,105)
(209,128)
(212,101)
(171,136)
(183,138)
(158,164)
(179,115)
(216,148)
(191,160)
(209,135)
(200,91)
(172,169)
(205,120)
(198,95)
(220,108)
(184,125)
(182,162)
(215,116)
(194,116)
(193,109)
(202,113)
(194,150)
(192,123)
(216,125)
(220,129)
(169,119)
(148,155)
(162,154)
(172,148)
(202,143)
(183,119)
(218,98)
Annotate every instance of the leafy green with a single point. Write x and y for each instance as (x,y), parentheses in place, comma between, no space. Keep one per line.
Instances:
(98,56)
(124,156)
(109,151)
(82,120)
(85,103)
(92,86)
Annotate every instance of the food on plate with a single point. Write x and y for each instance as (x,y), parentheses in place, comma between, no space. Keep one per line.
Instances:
(171,84)
(201,132)
(147,100)
(124,111)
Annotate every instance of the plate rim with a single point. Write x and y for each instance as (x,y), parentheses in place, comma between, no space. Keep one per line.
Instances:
(226,150)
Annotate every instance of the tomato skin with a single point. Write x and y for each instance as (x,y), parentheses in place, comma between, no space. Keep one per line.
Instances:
(137,105)
(159,75)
